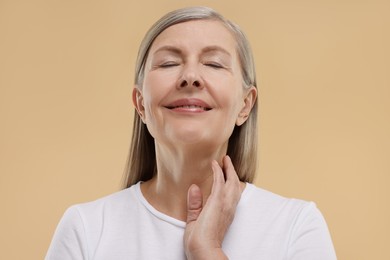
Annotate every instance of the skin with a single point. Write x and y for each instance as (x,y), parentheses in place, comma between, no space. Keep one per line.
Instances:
(191,99)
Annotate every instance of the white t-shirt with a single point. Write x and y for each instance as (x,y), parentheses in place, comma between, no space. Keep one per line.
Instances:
(125,226)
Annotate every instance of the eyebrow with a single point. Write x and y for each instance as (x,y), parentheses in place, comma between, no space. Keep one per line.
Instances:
(168,48)
(215,48)
(207,49)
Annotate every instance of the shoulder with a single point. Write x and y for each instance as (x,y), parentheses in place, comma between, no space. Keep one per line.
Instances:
(108,207)
(296,224)
(81,226)
(272,209)
(264,199)
(122,198)
(91,216)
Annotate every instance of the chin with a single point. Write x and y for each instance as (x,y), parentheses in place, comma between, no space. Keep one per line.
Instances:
(198,140)
(190,139)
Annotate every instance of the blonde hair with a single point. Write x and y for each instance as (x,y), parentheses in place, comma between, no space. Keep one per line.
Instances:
(242,145)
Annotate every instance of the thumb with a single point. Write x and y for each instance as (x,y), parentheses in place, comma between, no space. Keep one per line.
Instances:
(194,203)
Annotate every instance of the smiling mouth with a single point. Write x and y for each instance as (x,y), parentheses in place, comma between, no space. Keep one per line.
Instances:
(189,107)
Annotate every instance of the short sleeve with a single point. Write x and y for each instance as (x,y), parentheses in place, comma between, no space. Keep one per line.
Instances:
(310,237)
(69,238)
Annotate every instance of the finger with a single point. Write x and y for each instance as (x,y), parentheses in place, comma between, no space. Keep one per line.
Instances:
(218,173)
(218,178)
(230,172)
(232,181)
(194,203)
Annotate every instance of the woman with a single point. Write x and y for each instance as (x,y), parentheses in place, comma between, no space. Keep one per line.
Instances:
(192,160)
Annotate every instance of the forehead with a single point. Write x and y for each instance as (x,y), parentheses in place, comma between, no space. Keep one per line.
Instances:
(196,33)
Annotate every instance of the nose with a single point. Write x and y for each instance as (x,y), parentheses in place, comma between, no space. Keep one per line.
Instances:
(185,83)
(190,77)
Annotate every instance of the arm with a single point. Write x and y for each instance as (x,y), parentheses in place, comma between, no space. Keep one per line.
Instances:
(207,226)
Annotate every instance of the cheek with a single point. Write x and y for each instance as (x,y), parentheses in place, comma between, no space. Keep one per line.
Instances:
(150,105)
(156,77)
(235,103)
(155,90)
(158,84)
(229,94)
(153,87)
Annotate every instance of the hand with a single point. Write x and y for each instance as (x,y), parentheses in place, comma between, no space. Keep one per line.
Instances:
(207,226)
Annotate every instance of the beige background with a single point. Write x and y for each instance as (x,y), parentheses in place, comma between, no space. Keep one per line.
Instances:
(66,72)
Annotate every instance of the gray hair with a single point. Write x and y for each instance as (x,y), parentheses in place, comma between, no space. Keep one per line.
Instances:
(242,147)
(196,13)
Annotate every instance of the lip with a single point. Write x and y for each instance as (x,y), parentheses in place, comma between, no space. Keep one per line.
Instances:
(189,105)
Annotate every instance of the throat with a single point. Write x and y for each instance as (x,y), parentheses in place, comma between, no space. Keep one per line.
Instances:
(170,202)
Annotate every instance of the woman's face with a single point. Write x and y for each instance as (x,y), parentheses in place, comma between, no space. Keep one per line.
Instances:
(193,89)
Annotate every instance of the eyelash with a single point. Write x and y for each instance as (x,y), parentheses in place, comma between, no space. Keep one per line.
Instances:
(214,65)
(168,65)
(173,64)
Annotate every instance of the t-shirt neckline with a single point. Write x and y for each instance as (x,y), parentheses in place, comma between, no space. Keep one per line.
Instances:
(172,220)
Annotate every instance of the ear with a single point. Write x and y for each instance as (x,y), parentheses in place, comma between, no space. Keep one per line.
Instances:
(138,102)
(250,96)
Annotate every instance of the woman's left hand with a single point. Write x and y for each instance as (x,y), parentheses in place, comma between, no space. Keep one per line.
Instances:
(207,226)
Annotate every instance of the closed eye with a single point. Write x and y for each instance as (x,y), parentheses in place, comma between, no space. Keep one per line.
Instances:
(214,65)
(168,64)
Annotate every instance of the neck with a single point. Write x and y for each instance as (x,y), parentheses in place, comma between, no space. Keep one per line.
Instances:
(177,169)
